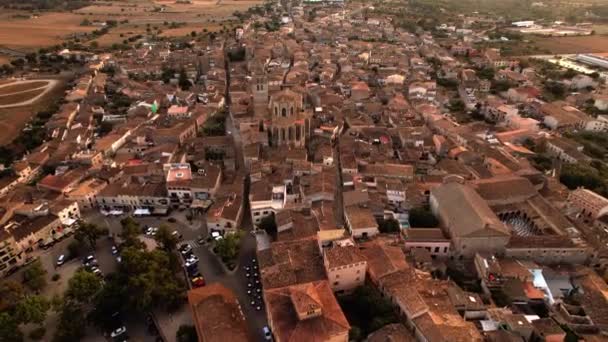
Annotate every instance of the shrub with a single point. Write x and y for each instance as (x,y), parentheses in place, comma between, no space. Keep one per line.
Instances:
(38,333)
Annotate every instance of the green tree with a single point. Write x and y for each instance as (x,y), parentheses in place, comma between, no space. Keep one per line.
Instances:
(228,247)
(529,144)
(112,298)
(186,333)
(83,286)
(74,249)
(72,324)
(355,334)
(90,233)
(499,86)
(32,309)
(557,89)
(269,225)
(577,175)
(367,309)
(150,279)
(165,238)
(184,82)
(456,105)
(167,74)
(389,226)
(130,233)
(38,333)
(422,218)
(11,292)
(486,73)
(35,276)
(9,328)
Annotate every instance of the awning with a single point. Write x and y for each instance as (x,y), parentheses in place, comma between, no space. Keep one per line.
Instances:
(160,211)
(141,212)
(68,222)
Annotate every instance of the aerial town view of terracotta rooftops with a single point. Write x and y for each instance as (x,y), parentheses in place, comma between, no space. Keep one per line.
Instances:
(303,170)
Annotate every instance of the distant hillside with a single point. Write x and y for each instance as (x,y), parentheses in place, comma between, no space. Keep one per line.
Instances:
(45,4)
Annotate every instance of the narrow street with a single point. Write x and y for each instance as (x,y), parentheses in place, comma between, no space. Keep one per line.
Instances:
(338,197)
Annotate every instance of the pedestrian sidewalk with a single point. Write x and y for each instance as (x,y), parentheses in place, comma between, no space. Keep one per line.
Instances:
(169,323)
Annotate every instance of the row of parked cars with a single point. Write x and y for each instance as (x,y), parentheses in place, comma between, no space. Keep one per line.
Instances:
(191,265)
(254,285)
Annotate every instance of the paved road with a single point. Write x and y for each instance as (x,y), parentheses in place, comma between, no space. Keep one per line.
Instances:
(212,270)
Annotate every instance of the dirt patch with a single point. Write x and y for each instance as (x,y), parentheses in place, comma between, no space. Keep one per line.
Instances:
(23,96)
(4,60)
(13,88)
(13,120)
(568,45)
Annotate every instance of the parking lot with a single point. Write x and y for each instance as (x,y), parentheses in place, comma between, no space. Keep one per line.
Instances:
(209,266)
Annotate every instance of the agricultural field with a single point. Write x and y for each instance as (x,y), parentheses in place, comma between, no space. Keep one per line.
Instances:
(16,87)
(568,45)
(600,29)
(19,97)
(19,101)
(33,33)
(145,15)
(21,31)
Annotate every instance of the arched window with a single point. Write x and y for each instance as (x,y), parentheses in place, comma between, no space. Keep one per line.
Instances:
(276,111)
(284,112)
(292,110)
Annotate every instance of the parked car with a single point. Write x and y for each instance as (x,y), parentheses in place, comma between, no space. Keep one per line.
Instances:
(201,240)
(192,260)
(267,333)
(61,260)
(96,271)
(114,250)
(151,231)
(89,261)
(185,249)
(119,334)
(198,282)
(177,234)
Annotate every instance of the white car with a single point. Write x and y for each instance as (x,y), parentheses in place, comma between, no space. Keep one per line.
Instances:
(267,333)
(151,231)
(193,260)
(61,260)
(119,334)
(96,271)
(185,249)
(89,260)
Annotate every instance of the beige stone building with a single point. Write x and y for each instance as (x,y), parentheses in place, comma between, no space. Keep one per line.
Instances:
(590,203)
(468,220)
(345,267)
(306,312)
(287,121)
